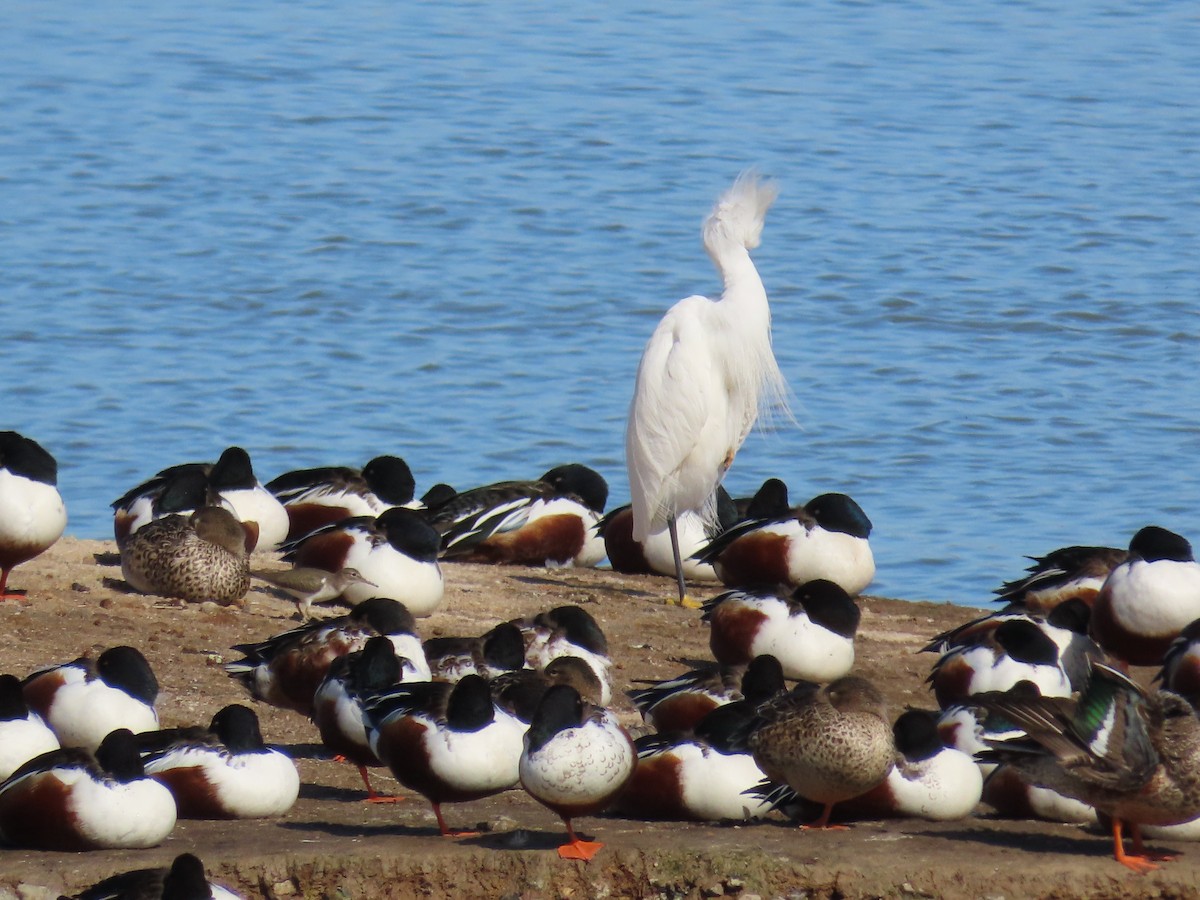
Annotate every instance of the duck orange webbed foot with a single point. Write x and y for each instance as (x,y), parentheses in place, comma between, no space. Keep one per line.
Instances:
(382,798)
(1139,864)
(579,849)
(816,827)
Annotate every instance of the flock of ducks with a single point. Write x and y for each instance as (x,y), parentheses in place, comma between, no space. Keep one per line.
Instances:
(1037,714)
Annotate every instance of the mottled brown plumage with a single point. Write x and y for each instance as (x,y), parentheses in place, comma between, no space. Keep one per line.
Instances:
(827,743)
(196,558)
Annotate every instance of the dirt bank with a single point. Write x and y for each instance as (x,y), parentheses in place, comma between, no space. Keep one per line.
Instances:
(331,845)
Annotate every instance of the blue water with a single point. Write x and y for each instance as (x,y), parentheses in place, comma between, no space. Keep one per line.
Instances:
(325,231)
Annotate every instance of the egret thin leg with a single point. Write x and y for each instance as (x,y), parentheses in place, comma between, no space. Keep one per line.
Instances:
(678,558)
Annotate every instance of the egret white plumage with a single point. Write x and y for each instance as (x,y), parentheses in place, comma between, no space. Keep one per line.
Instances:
(706,371)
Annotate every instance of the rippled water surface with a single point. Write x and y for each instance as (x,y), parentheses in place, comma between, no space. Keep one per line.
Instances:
(325,231)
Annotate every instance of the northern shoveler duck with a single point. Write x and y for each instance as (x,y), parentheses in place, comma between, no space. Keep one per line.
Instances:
(193,558)
(521,690)
(397,552)
(23,733)
(1132,755)
(182,489)
(704,777)
(676,705)
(184,879)
(549,522)
(501,649)
(228,774)
(1063,574)
(1149,599)
(568,631)
(928,781)
(285,670)
(828,744)
(308,586)
(576,761)
(71,799)
(338,705)
(997,658)
(811,631)
(1066,626)
(449,743)
(32,513)
(1180,672)
(317,497)
(654,555)
(826,538)
(82,701)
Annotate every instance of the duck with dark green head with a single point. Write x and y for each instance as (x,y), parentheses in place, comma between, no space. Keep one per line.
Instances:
(1133,755)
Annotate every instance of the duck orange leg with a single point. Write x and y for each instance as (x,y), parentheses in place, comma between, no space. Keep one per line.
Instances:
(1139,849)
(577,848)
(445,829)
(7,594)
(373,797)
(1136,861)
(822,821)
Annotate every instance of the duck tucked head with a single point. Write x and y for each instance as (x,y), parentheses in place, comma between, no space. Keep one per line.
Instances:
(586,484)
(560,708)
(118,756)
(219,526)
(390,478)
(376,667)
(232,471)
(470,705)
(385,615)
(1153,543)
(26,457)
(1025,642)
(829,606)
(126,668)
(916,735)
(12,700)
(577,625)
(237,728)
(409,533)
(839,512)
(186,880)
(854,694)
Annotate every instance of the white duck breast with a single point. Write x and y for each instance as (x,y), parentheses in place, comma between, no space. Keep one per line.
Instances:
(34,513)
(139,813)
(834,556)
(1155,598)
(944,787)
(102,814)
(495,749)
(579,764)
(713,785)
(84,710)
(243,785)
(418,585)
(1184,831)
(257,504)
(23,739)
(806,650)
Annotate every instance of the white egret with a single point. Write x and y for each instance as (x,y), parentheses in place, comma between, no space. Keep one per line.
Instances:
(704,374)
